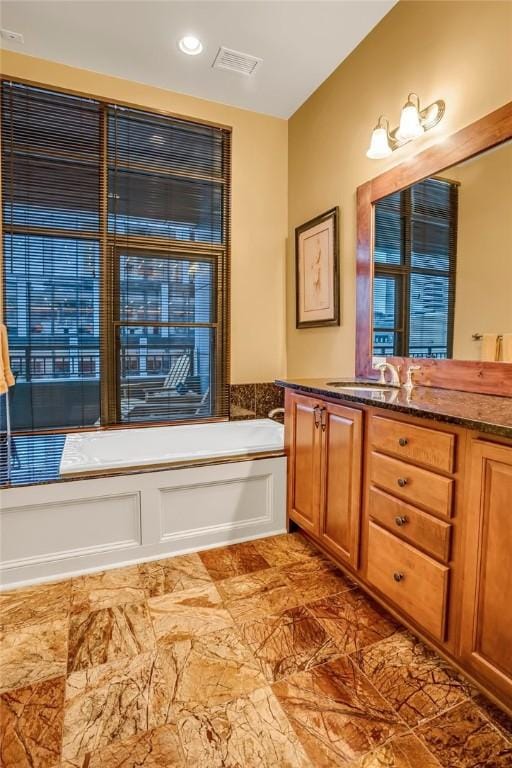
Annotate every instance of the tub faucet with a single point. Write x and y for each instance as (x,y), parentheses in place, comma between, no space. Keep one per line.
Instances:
(275,412)
(394,371)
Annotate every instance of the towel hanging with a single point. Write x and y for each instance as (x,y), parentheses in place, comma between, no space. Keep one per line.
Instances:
(6,376)
(489,350)
(506,348)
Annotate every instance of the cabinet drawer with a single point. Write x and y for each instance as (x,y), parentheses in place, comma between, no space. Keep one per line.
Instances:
(417,527)
(425,446)
(416,583)
(419,486)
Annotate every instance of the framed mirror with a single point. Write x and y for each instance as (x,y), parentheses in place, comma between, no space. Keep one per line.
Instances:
(434,265)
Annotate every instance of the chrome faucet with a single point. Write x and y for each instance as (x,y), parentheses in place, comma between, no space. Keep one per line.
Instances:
(409,382)
(394,371)
(275,412)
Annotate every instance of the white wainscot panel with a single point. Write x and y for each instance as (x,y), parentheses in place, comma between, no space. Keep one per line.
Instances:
(39,533)
(228,505)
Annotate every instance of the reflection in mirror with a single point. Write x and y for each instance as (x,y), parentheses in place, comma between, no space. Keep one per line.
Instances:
(442,261)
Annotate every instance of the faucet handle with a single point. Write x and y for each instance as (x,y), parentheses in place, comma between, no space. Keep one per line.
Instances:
(409,383)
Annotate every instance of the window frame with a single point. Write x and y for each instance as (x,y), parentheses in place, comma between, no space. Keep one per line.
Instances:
(113,377)
(109,380)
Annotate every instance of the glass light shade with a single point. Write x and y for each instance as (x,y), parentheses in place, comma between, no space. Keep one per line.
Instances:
(410,125)
(379,144)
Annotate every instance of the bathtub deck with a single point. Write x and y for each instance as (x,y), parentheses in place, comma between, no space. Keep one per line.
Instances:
(261,655)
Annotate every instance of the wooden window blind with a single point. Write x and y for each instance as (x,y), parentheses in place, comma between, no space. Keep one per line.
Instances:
(51,255)
(116,262)
(414,270)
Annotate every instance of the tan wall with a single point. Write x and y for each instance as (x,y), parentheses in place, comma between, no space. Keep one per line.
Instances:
(259,205)
(483,299)
(458,51)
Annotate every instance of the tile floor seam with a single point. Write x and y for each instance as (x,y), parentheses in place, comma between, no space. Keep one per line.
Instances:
(294,672)
(122,656)
(427,748)
(467,700)
(391,706)
(291,722)
(493,725)
(487,720)
(52,676)
(506,735)
(402,632)
(331,594)
(441,712)
(405,633)
(357,650)
(369,752)
(246,697)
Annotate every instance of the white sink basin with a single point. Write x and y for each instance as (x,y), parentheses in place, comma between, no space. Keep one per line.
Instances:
(360,386)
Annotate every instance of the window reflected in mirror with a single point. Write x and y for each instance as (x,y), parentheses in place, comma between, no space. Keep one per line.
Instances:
(442,260)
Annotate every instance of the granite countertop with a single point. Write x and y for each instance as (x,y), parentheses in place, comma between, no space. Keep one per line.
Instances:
(485,413)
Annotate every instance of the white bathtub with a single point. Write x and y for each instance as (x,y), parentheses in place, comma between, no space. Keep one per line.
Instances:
(146,512)
(113,449)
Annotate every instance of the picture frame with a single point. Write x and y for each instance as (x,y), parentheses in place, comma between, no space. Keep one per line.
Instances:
(317,285)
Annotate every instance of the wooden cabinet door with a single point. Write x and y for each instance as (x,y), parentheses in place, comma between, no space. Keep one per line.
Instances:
(486,636)
(340,520)
(304,455)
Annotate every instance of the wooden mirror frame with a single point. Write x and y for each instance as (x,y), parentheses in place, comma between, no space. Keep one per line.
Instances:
(464,375)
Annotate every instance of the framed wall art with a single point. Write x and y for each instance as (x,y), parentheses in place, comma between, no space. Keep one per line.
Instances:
(317,271)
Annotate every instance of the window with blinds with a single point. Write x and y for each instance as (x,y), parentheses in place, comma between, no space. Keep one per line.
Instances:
(115,261)
(414,270)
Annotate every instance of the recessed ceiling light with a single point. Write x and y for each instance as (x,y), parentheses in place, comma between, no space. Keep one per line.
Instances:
(191,45)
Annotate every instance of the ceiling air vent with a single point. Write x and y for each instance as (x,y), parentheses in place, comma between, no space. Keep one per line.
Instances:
(235,61)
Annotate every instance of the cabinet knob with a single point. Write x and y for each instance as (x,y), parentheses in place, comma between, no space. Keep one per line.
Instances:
(403,441)
(401,520)
(402,482)
(398,576)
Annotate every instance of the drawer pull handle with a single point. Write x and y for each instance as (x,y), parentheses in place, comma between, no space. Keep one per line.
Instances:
(398,576)
(402,482)
(403,441)
(401,520)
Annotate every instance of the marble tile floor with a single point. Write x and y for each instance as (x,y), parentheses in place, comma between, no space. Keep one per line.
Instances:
(258,655)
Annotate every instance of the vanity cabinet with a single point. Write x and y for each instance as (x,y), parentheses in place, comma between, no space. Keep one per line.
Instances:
(486,631)
(420,516)
(409,505)
(341,449)
(324,443)
(304,461)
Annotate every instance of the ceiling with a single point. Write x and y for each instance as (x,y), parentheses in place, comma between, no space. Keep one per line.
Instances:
(300,41)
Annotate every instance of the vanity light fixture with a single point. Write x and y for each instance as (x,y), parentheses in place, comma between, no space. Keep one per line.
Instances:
(410,122)
(414,121)
(380,142)
(190,45)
